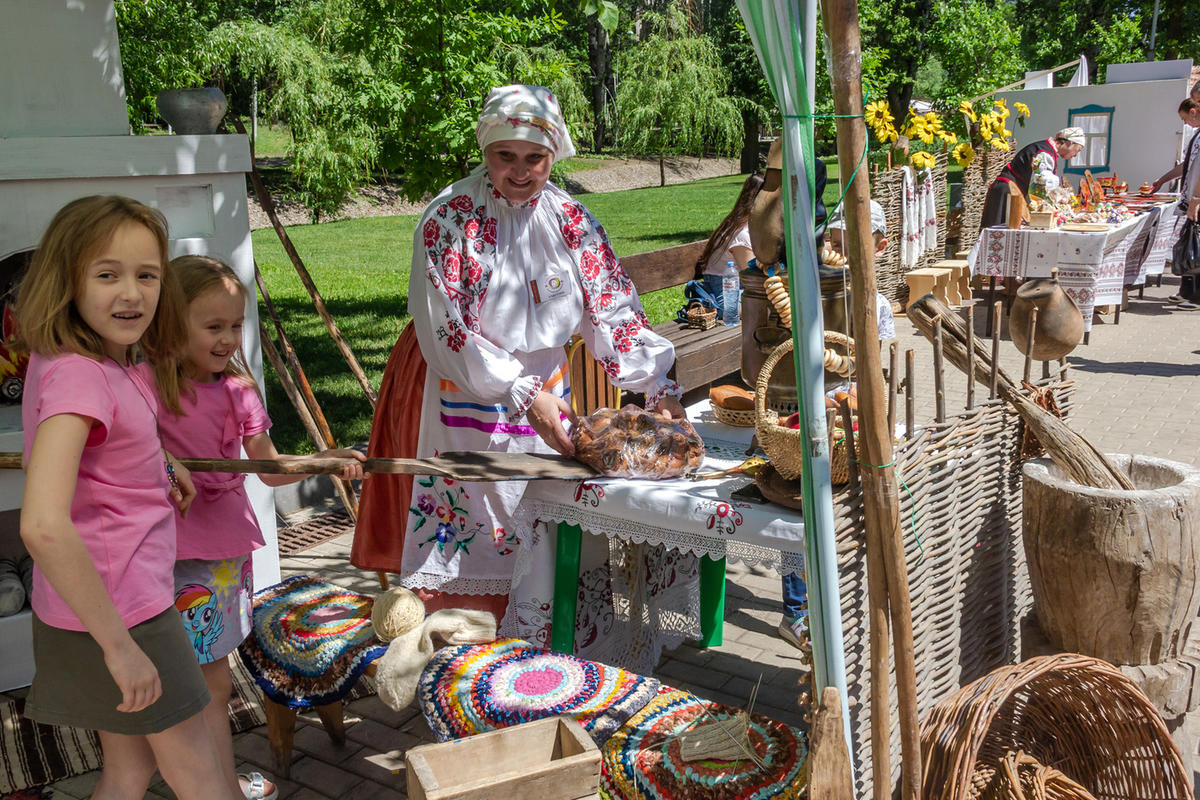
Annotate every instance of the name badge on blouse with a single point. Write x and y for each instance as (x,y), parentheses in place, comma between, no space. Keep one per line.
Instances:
(548,288)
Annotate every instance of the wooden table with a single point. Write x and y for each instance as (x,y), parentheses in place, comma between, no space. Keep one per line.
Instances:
(698,516)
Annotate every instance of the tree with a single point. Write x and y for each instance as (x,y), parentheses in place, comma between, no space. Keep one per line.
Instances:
(672,95)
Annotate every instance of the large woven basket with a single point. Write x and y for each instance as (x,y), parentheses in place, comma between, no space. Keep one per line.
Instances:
(783,445)
(1078,714)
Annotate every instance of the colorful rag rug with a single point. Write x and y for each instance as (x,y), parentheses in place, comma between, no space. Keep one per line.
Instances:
(470,689)
(311,641)
(641,761)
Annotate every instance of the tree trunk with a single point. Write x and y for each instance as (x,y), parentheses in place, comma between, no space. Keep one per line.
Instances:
(749,161)
(603,81)
(662,170)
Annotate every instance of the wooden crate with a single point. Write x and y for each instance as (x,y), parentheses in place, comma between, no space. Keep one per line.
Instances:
(549,759)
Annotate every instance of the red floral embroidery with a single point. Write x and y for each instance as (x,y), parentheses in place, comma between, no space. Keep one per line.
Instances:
(574,212)
(431,231)
(607,256)
(489,230)
(474,271)
(572,235)
(462,203)
(589,265)
(606,300)
(457,337)
(451,265)
(610,366)
(471,229)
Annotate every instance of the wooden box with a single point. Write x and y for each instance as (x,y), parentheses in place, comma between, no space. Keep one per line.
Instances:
(1041,219)
(549,759)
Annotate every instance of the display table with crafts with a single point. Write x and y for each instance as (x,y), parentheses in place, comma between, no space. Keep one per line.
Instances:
(1094,265)
(700,517)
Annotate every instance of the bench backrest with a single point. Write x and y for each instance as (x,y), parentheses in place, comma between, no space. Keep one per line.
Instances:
(658,269)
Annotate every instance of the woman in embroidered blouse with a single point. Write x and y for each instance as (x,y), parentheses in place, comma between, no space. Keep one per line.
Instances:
(506,268)
(1033,164)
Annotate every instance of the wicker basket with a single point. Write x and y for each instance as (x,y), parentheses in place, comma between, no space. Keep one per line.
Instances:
(700,317)
(1023,777)
(1078,714)
(739,417)
(783,445)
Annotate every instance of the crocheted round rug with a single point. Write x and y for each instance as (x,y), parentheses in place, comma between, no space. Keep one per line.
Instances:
(470,689)
(642,761)
(310,643)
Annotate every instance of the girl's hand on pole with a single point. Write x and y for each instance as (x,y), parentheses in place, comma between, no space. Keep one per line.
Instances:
(353,471)
(135,675)
(183,490)
(545,414)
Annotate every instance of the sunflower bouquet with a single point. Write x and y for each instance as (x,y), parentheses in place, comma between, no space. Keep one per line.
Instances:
(988,129)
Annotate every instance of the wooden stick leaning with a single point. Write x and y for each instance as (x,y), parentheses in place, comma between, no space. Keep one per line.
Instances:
(1073,453)
(880,489)
(462,465)
(268,205)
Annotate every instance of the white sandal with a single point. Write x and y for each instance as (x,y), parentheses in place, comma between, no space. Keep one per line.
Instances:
(256,787)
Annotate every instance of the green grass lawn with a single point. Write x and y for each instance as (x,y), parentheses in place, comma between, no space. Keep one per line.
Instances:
(361,268)
(273,139)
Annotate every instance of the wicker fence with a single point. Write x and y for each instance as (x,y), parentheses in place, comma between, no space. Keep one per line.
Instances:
(968,581)
(888,189)
(977,177)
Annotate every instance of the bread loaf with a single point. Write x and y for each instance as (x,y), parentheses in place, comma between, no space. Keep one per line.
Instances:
(734,398)
(633,443)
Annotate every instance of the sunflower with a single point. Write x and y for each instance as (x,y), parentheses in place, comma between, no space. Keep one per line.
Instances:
(986,123)
(1001,106)
(964,154)
(921,160)
(878,114)
(887,133)
(1021,108)
(965,107)
(949,137)
(999,144)
(933,122)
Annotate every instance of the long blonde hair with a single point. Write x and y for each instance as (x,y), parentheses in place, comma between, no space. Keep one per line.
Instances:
(197,275)
(48,320)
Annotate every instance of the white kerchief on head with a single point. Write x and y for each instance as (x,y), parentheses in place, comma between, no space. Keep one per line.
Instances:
(525,113)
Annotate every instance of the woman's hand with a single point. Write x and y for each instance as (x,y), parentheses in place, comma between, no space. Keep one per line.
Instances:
(135,675)
(545,415)
(183,491)
(1193,211)
(352,472)
(669,407)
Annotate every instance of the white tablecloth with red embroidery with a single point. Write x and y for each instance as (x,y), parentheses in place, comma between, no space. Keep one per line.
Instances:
(699,517)
(1093,267)
(652,590)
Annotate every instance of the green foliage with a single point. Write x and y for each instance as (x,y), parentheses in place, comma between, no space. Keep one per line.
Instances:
(672,95)
(159,43)
(1120,42)
(977,43)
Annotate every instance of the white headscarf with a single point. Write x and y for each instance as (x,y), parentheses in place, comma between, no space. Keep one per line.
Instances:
(526,113)
(1073,135)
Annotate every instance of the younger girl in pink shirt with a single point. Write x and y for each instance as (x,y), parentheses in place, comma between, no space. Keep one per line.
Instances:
(97,515)
(219,412)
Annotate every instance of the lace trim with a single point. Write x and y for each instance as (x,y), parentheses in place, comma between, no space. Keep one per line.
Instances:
(669,388)
(533,510)
(455,585)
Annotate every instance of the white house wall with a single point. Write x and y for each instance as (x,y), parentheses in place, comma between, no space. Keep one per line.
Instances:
(1146,136)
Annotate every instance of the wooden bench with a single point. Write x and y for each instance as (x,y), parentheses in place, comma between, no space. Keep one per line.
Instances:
(701,357)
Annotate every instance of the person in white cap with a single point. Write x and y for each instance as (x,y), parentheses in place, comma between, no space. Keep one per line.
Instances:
(1033,163)
(506,268)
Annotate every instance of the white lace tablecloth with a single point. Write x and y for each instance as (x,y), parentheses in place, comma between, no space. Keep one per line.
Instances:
(1093,267)
(645,598)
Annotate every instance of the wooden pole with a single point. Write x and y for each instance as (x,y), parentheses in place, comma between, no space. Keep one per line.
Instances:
(829,776)
(878,475)
(268,205)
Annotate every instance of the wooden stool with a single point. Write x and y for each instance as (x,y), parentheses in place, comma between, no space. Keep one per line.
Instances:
(960,276)
(310,643)
(928,280)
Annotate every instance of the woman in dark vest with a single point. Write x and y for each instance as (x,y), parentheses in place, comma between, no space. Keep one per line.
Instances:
(1033,160)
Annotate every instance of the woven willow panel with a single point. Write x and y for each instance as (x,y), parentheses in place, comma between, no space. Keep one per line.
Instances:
(977,177)
(967,576)
(888,189)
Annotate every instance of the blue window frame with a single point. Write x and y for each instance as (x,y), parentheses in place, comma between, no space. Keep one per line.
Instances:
(1096,122)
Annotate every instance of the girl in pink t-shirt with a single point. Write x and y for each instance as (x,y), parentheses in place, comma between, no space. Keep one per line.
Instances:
(97,513)
(220,414)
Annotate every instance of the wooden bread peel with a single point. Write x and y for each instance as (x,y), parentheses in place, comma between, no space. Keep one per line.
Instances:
(460,465)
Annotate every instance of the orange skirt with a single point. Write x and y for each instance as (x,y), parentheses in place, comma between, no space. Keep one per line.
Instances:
(383,506)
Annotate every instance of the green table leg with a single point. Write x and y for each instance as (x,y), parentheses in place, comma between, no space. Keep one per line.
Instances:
(712,600)
(566,592)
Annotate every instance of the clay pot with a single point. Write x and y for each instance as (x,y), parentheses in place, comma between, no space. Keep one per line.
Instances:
(1059,325)
(192,111)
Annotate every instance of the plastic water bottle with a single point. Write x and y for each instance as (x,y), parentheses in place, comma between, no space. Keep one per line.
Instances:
(731,294)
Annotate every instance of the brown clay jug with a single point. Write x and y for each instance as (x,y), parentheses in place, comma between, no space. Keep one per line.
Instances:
(1059,325)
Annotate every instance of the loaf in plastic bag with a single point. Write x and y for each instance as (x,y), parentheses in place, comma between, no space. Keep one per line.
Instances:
(633,443)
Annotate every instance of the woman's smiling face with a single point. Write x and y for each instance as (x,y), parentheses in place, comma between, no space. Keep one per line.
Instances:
(518,169)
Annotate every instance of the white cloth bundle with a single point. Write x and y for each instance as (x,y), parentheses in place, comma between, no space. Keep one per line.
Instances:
(399,669)
(911,237)
(928,212)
